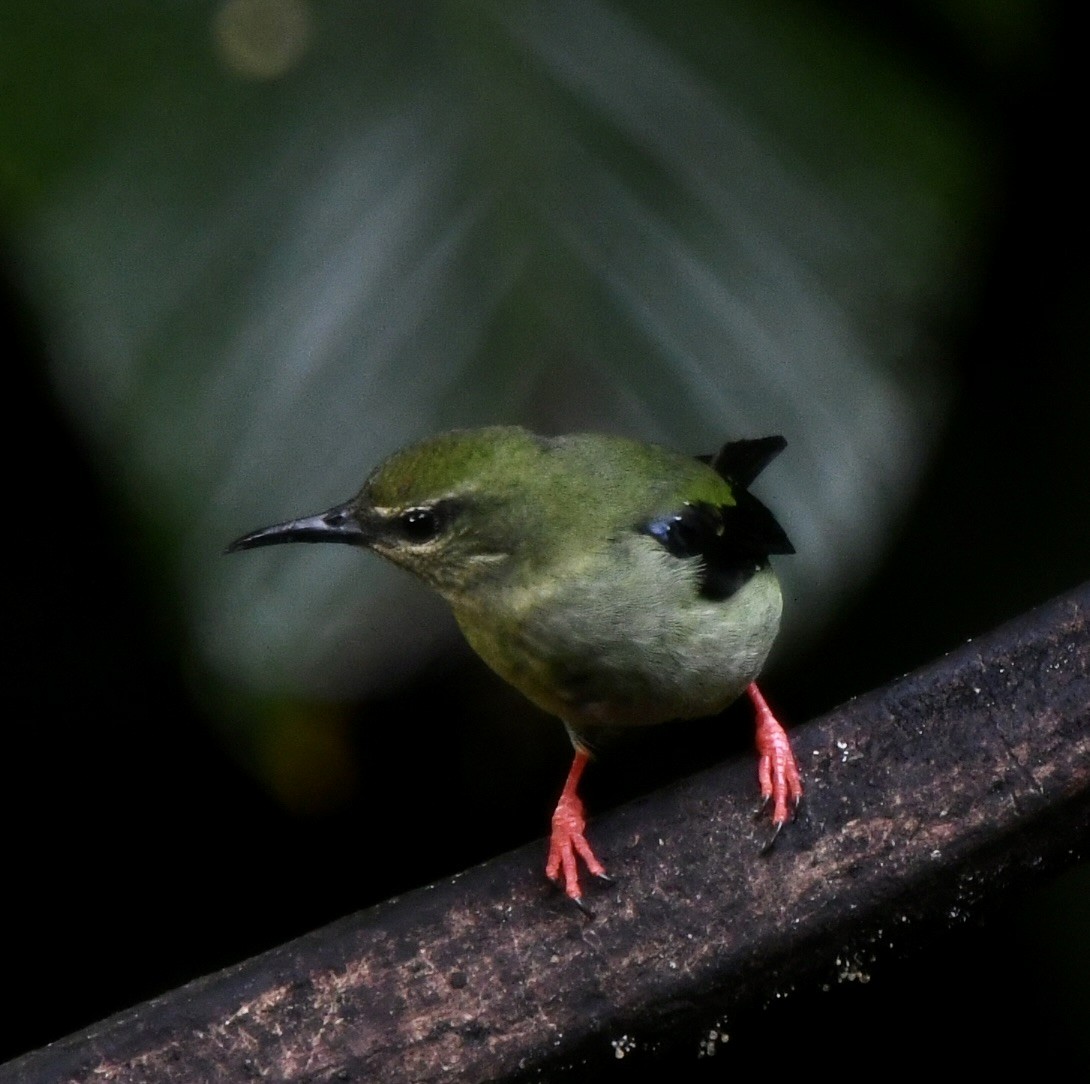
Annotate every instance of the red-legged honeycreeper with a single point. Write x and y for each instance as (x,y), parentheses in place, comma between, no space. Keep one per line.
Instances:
(614,583)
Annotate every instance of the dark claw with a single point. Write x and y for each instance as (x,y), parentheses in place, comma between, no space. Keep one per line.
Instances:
(578,901)
(605,879)
(762,807)
(777,826)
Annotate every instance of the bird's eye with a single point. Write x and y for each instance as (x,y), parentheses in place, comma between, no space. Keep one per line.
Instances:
(419,525)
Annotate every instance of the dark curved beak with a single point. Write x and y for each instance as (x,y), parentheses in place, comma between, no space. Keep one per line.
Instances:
(339,524)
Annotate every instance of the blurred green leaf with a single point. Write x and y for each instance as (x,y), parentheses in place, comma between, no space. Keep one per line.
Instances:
(273,240)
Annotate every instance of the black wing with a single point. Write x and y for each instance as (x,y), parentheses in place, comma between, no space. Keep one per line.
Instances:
(742,460)
(732,541)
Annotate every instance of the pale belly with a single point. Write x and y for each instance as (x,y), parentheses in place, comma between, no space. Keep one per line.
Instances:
(599,654)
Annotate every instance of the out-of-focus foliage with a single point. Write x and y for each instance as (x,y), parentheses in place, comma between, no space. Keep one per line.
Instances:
(264,242)
(276,240)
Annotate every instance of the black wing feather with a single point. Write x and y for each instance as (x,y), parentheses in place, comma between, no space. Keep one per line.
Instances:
(732,541)
(742,460)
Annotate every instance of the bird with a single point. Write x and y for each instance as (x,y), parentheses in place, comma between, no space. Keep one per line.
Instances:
(615,583)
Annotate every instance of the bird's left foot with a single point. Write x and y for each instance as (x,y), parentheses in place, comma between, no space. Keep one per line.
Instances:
(568,841)
(777,769)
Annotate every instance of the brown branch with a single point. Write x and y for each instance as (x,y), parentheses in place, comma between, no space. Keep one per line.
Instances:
(938,791)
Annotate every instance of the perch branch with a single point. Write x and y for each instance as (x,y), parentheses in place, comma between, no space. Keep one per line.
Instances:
(939,790)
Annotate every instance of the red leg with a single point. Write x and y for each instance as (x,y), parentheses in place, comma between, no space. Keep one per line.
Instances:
(777,770)
(567,839)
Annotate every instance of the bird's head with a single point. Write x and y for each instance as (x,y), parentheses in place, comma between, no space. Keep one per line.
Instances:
(453,509)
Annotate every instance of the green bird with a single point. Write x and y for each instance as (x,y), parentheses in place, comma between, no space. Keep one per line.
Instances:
(615,583)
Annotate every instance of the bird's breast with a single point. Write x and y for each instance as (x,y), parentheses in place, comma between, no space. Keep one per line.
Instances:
(625,638)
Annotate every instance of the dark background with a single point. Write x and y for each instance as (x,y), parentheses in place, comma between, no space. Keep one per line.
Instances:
(139,855)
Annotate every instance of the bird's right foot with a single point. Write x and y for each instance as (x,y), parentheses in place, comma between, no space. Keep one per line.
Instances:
(568,841)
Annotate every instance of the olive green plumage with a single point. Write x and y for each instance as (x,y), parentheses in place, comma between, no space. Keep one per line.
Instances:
(613,582)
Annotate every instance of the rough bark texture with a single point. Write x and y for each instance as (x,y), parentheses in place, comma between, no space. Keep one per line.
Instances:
(931,794)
